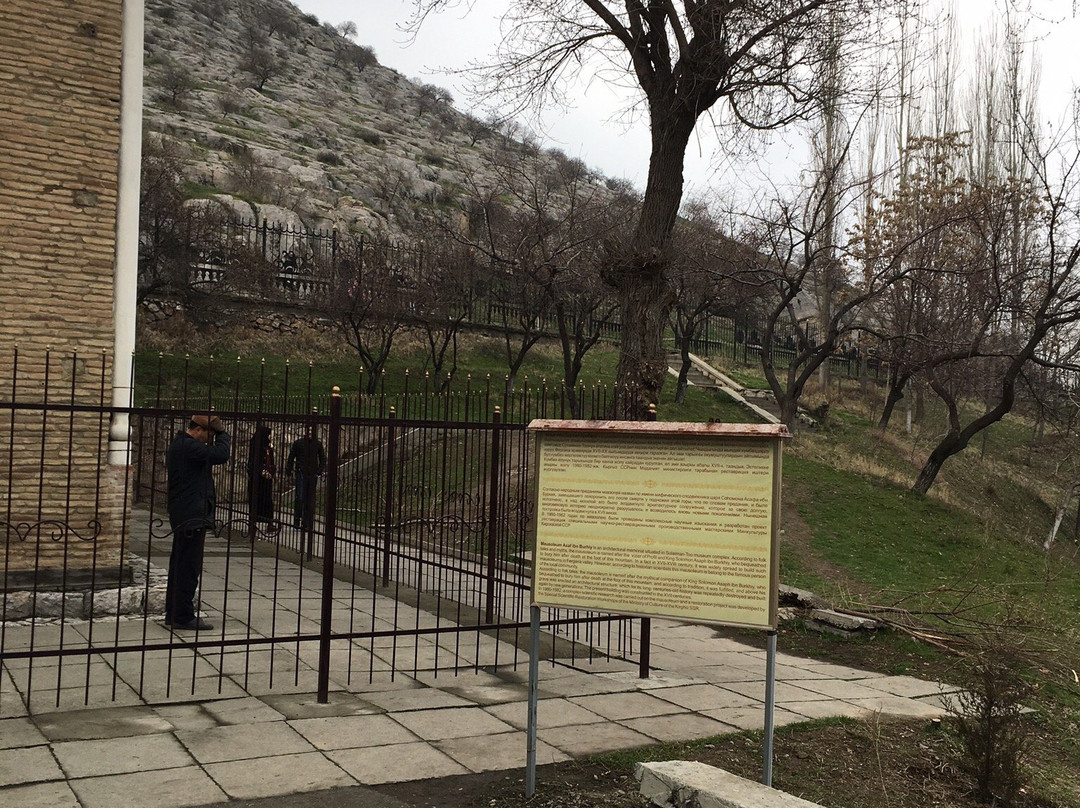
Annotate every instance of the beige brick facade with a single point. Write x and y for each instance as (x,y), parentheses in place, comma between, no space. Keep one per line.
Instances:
(60,79)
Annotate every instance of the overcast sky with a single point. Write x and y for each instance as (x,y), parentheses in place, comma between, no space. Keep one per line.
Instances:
(594,130)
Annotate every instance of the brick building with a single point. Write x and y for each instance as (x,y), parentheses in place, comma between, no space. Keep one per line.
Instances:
(70,75)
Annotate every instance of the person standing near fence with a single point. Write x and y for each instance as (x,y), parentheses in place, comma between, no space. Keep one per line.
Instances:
(262,468)
(307,459)
(191,501)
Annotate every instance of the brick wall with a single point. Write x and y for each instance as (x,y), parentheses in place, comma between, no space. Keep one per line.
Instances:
(60,64)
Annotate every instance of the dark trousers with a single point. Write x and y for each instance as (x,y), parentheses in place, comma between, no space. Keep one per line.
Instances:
(305,500)
(185,567)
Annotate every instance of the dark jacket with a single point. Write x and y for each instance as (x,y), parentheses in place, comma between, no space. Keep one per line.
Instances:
(306,457)
(190,484)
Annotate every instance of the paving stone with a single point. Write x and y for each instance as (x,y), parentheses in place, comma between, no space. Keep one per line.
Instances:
(415,699)
(243,742)
(894,705)
(278,775)
(907,686)
(185,716)
(168,788)
(247,710)
(120,755)
(842,690)
(591,739)
(306,705)
(110,722)
(396,764)
(33,765)
(453,722)
(679,727)
(497,752)
(754,717)
(549,713)
(703,697)
(352,731)
(40,795)
(19,733)
(626,705)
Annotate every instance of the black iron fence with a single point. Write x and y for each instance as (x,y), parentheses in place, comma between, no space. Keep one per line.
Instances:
(407,556)
(299,265)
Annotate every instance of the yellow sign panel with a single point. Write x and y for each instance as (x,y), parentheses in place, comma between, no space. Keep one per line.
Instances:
(658,523)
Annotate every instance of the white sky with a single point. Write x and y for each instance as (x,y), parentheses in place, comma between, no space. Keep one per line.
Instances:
(595,131)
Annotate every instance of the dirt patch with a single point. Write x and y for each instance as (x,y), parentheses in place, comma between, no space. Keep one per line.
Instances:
(841,764)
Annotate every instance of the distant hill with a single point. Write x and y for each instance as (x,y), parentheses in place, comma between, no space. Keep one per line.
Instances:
(283,117)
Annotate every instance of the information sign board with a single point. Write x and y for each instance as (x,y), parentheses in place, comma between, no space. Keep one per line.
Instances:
(658,519)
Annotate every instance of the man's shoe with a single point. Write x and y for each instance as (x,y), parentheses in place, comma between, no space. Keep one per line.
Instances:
(195,624)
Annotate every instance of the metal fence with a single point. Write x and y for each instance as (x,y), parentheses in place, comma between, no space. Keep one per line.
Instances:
(412,558)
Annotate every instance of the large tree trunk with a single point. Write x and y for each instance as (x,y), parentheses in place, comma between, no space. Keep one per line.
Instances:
(895,394)
(951,444)
(641,282)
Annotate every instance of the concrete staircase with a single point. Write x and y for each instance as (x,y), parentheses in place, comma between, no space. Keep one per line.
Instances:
(760,403)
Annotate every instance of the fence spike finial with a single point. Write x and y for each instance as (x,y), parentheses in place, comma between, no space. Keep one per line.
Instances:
(336,392)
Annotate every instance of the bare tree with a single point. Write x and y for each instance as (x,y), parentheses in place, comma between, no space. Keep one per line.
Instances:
(448,285)
(757,58)
(709,271)
(367,297)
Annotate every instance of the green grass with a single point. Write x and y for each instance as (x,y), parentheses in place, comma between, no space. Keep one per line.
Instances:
(176,380)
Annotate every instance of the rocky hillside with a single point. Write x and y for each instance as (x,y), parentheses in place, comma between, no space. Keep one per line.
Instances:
(287,118)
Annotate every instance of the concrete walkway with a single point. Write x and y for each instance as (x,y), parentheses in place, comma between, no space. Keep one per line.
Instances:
(195,728)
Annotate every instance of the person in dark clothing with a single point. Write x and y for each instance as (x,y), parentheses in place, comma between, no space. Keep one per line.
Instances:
(191,502)
(307,459)
(262,468)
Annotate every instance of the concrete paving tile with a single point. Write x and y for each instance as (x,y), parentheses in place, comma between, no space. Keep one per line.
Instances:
(591,739)
(549,713)
(826,709)
(582,684)
(120,755)
(184,690)
(168,788)
(617,706)
(703,697)
(261,684)
(895,705)
(835,671)
(907,686)
(490,694)
(795,673)
(40,795)
(246,710)
(396,764)
(33,765)
(277,775)
(243,742)
(41,701)
(354,731)
(678,727)
(784,691)
(658,679)
(415,699)
(108,722)
(453,722)
(16,733)
(845,690)
(754,717)
(306,705)
(72,674)
(719,674)
(497,752)
(185,716)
